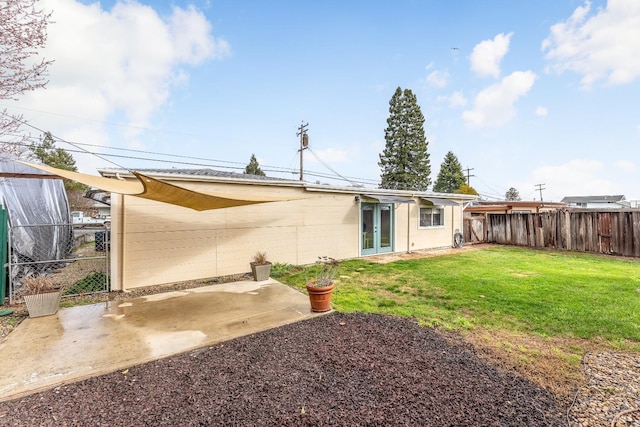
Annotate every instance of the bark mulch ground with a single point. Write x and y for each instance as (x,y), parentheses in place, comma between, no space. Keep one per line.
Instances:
(338,369)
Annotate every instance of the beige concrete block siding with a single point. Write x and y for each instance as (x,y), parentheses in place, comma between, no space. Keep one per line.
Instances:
(436,237)
(409,236)
(155,243)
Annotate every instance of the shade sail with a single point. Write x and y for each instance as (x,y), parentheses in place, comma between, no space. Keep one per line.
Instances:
(389,199)
(440,202)
(160,191)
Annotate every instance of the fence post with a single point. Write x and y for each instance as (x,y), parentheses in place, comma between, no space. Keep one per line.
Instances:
(3,253)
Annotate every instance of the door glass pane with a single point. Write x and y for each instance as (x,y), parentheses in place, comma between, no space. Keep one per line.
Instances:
(367,227)
(385,226)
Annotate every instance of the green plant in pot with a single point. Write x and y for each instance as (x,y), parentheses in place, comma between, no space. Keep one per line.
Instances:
(320,288)
(260,267)
(41,295)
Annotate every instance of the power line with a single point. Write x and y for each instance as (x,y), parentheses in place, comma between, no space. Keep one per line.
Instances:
(24,122)
(155,153)
(78,148)
(329,167)
(302,134)
(497,192)
(488,196)
(207,162)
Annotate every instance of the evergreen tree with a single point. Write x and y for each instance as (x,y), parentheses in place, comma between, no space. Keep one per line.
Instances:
(450,177)
(512,195)
(253,168)
(405,161)
(47,152)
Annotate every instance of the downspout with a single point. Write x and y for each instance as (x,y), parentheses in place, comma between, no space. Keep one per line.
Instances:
(359,203)
(122,245)
(117,245)
(453,217)
(409,227)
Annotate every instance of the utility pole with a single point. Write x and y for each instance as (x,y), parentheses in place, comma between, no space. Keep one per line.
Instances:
(540,188)
(467,170)
(304,144)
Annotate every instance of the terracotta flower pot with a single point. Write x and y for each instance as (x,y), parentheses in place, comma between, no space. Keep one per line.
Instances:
(320,297)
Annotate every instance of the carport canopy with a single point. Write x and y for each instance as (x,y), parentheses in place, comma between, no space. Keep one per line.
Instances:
(436,201)
(389,199)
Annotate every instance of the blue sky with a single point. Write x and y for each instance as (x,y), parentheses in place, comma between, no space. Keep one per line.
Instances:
(525,93)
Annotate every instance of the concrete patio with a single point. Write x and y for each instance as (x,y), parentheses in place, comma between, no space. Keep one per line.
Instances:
(86,341)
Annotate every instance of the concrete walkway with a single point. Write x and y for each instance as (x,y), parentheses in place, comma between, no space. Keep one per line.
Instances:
(86,341)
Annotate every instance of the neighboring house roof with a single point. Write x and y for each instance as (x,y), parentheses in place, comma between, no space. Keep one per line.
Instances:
(520,203)
(204,172)
(212,175)
(509,206)
(593,199)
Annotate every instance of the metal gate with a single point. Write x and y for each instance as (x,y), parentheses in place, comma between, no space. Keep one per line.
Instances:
(73,257)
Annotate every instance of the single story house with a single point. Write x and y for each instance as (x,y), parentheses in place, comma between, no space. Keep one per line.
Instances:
(154,243)
(597,202)
(480,208)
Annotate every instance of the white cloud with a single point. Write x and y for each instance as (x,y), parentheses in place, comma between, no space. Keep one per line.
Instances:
(625,166)
(119,62)
(541,111)
(580,177)
(487,55)
(494,106)
(455,100)
(438,78)
(604,46)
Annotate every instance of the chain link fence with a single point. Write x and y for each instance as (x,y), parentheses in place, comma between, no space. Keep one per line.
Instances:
(74,258)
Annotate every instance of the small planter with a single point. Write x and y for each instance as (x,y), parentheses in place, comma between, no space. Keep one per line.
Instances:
(319,297)
(261,271)
(43,304)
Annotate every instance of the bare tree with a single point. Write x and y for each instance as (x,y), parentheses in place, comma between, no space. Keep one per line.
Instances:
(23,33)
(512,195)
(77,201)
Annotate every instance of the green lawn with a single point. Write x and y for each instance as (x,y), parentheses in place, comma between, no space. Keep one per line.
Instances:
(541,292)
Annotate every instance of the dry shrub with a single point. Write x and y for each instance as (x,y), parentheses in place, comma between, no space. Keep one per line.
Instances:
(260,258)
(31,285)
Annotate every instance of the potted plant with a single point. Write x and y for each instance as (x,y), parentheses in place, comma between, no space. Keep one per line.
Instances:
(41,295)
(320,288)
(260,267)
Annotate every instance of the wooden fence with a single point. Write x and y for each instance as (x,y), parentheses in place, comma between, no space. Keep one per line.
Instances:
(613,232)
(474,230)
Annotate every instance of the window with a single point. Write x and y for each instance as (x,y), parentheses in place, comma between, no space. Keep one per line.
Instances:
(431,217)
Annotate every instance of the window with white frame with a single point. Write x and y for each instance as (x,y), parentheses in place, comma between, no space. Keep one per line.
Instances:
(431,216)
